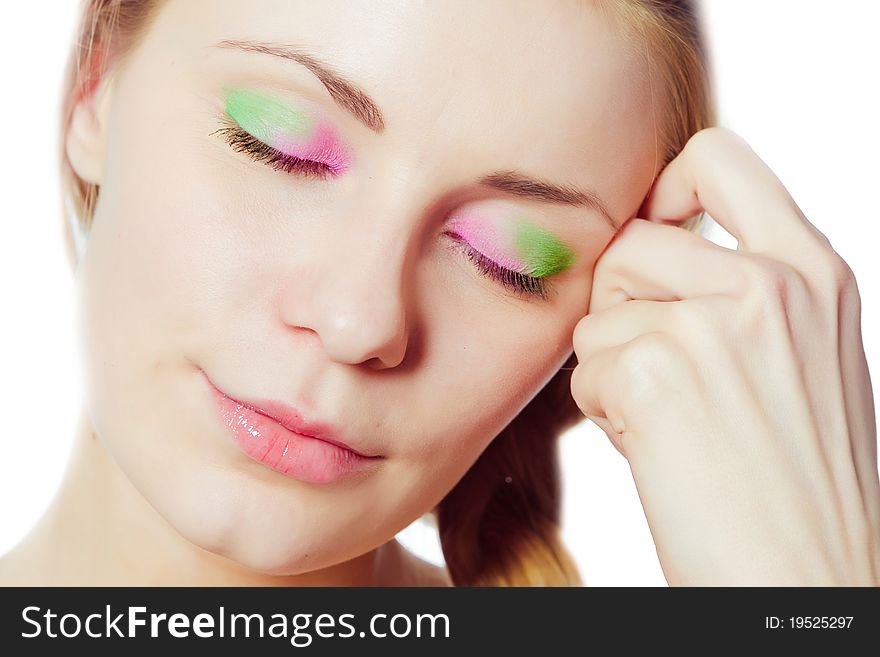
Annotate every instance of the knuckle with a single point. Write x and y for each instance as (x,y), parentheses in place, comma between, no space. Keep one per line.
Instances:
(771,280)
(647,365)
(837,271)
(740,282)
(816,236)
(583,336)
(835,282)
(694,318)
(771,289)
(581,330)
(824,264)
(709,139)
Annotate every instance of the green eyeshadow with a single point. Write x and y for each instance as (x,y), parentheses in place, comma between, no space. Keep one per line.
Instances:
(542,253)
(264,117)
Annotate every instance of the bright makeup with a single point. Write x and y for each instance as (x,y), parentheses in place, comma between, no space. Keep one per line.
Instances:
(510,239)
(292,131)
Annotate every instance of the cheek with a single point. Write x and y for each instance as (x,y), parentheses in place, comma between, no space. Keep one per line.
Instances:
(177,230)
(144,253)
(484,356)
(476,377)
(510,366)
(485,360)
(155,267)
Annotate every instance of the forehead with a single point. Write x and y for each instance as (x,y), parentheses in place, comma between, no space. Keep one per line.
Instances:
(549,87)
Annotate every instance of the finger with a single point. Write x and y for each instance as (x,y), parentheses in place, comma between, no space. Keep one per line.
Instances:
(632,349)
(610,327)
(689,321)
(718,172)
(592,390)
(615,437)
(647,260)
(636,384)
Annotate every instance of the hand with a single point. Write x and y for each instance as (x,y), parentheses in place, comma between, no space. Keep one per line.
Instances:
(734,382)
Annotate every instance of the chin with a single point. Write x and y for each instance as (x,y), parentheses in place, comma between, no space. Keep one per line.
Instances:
(255,524)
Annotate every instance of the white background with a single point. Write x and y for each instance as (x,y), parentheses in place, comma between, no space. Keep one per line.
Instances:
(797,79)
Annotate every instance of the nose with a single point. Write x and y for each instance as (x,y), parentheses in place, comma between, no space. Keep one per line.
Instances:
(355,302)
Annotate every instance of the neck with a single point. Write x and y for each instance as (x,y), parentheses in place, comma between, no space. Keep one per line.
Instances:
(100,531)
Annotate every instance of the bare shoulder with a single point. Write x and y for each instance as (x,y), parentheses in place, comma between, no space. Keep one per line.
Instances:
(5,579)
(429,574)
(411,570)
(10,575)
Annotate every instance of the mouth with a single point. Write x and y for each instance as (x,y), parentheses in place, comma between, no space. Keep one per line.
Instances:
(276,435)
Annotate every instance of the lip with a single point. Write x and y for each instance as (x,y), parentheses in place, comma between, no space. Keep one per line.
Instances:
(276,435)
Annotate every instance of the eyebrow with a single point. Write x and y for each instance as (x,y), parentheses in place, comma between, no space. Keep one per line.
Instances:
(346,94)
(514,182)
(358,103)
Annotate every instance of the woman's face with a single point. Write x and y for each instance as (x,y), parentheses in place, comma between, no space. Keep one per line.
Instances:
(346,290)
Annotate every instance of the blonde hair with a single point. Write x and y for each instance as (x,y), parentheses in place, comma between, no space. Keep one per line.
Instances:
(499,525)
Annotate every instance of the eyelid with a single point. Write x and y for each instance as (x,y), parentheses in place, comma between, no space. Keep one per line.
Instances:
(517,243)
(518,282)
(242,141)
(263,115)
(546,254)
(297,133)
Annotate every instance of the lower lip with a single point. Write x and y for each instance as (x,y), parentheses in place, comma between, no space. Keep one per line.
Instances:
(301,457)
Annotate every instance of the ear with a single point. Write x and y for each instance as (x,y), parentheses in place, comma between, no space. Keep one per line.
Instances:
(86,134)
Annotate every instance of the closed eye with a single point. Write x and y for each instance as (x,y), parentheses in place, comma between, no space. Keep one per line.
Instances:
(244,142)
(518,282)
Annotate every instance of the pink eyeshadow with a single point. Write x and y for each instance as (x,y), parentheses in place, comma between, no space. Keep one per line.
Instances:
(324,146)
(485,236)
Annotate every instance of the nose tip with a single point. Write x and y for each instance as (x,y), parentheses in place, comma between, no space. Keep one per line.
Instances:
(356,295)
(353,319)
(377,337)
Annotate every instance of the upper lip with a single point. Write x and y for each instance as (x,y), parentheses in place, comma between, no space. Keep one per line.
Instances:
(292,420)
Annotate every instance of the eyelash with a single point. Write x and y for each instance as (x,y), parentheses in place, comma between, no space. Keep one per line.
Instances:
(523,284)
(243,142)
